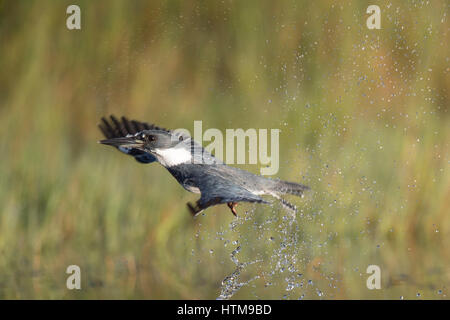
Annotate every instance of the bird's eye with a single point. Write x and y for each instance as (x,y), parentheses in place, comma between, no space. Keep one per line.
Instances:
(180,138)
(152,138)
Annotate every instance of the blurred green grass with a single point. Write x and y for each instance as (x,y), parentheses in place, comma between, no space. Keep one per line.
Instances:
(364,122)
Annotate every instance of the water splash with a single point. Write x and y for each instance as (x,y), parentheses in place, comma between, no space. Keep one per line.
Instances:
(282,252)
(232,283)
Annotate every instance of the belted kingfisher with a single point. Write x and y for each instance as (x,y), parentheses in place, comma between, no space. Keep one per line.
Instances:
(193,167)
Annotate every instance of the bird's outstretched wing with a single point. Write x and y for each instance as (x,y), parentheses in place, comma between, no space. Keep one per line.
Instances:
(217,190)
(115,128)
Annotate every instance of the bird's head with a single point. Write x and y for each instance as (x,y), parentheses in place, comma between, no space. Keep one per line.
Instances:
(146,140)
(169,148)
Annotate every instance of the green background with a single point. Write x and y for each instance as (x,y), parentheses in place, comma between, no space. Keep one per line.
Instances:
(364,122)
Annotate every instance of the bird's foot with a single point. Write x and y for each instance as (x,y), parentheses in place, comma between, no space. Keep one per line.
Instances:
(195,210)
(232,206)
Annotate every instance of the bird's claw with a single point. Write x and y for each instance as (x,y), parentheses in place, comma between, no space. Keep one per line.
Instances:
(194,210)
(232,206)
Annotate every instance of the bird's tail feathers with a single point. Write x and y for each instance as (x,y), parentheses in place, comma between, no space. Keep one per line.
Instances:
(285,187)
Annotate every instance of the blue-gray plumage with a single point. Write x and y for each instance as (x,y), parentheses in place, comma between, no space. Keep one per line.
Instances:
(193,167)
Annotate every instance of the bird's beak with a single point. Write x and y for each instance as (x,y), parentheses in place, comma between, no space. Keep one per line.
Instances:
(127,142)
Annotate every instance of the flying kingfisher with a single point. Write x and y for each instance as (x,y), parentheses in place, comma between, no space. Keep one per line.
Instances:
(193,167)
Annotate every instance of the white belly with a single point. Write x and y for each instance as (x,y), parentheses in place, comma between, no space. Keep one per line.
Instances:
(173,156)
